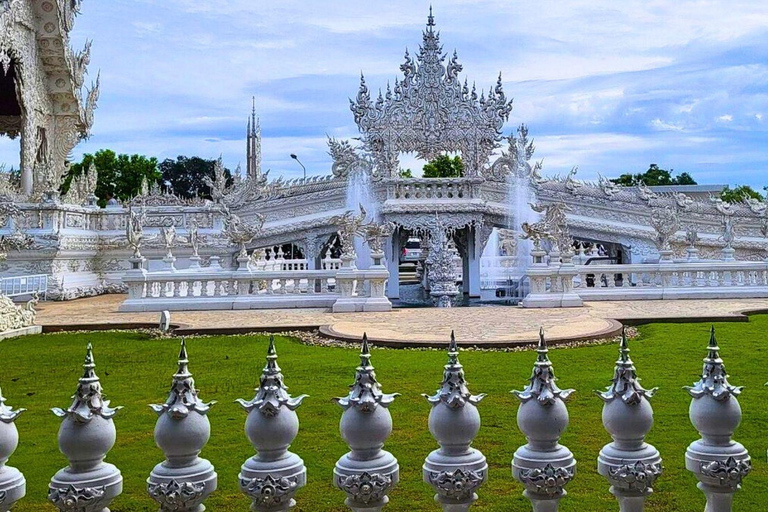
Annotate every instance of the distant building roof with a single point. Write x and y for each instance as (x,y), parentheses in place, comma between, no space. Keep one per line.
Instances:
(689,189)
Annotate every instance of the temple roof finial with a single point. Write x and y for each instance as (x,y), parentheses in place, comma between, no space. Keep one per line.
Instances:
(430,18)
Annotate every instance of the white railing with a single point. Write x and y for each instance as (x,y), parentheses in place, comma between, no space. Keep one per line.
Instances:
(24,285)
(281,264)
(215,288)
(657,281)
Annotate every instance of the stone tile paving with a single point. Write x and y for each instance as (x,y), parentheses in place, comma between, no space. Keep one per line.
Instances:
(479,324)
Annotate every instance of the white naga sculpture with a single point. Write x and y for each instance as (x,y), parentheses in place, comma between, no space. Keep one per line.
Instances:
(14,316)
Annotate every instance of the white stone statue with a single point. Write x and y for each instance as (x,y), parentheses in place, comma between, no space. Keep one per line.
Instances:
(14,316)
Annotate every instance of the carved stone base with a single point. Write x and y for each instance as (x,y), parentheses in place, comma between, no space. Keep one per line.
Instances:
(271,485)
(24,331)
(182,488)
(13,487)
(366,482)
(93,490)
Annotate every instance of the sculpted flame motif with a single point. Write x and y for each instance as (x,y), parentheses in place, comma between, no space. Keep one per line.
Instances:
(548,480)
(76,499)
(729,473)
(366,487)
(457,485)
(269,491)
(429,112)
(176,496)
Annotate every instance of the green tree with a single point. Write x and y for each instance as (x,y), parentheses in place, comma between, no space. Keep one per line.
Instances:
(739,193)
(654,176)
(119,175)
(185,175)
(444,167)
(406,173)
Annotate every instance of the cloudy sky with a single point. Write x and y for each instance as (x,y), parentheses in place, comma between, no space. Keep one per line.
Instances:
(608,86)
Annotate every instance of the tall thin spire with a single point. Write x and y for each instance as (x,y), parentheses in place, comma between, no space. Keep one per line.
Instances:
(253,149)
(430,18)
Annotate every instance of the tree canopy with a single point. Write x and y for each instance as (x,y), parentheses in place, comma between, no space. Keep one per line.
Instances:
(654,176)
(739,193)
(119,175)
(184,176)
(444,167)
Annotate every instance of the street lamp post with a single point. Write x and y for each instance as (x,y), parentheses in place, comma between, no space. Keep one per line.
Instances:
(293,155)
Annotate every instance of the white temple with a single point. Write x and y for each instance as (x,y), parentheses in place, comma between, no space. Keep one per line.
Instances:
(577,240)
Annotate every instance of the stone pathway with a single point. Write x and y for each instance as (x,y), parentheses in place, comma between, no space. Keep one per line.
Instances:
(486,326)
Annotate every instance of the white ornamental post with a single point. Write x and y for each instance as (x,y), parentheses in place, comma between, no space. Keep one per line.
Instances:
(367,473)
(718,462)
(543,466)
(630,465)
(13,486)
(271,478)
(86,435)
(456,470)
(184,480)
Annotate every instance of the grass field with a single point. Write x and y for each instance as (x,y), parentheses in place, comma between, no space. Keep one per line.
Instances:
(40,372)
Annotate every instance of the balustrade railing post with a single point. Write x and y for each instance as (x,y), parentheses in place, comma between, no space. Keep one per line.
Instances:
(630,465)
(86,435)
(456,470)
(718,462)
(13,486)
(367,473)
(272,477)
(184,480)
(543,465)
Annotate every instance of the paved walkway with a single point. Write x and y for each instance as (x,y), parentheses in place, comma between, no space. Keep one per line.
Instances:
(486,326)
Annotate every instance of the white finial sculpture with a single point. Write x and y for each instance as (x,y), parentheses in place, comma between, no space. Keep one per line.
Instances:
(718,462)
(86,435)
(13,486)
(456,470)
(543,466)
(271,478)
(183,481)
(630,465)
(367,473)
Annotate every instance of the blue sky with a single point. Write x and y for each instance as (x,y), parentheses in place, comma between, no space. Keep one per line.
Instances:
(608,86)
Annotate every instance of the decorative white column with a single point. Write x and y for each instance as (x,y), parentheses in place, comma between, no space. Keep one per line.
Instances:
(13,486)
(271,478)
(183,481)
(86,435)
(630,465)
(543,465)
(456,470)
(367,473)
(718,462)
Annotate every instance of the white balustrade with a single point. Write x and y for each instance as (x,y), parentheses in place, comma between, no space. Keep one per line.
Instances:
(643,281)
(273,478)
(213,288)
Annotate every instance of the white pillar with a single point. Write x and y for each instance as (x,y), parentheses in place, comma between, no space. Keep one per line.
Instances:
(474,251)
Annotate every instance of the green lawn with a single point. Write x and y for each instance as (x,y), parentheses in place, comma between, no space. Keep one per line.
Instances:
(40,372)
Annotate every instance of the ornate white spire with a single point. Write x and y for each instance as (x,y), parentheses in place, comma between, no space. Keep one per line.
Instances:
(429,112)
(542,385)
(253,146)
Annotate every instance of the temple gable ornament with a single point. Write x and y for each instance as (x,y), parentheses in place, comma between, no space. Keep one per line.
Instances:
(429,112)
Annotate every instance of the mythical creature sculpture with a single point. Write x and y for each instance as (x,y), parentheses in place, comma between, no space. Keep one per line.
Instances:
(508,241)
(666,223)
(376,234)
(572,185)
(18,240)
(645,193)
(536,232)
(721,206)
(239,232)
(756,206)
(169,239)
(556,224)
(346,158)
(13,316)
(349,225)
(193,237)
(729,230)
(682,201)
(608,187)
(517,160)
(134,231)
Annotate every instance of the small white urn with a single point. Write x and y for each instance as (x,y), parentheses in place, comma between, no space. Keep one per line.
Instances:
(271,478)
(718,462)
(86,435)
(13,486)
(367,473)
(184,480)
(455,470)
(543,465)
